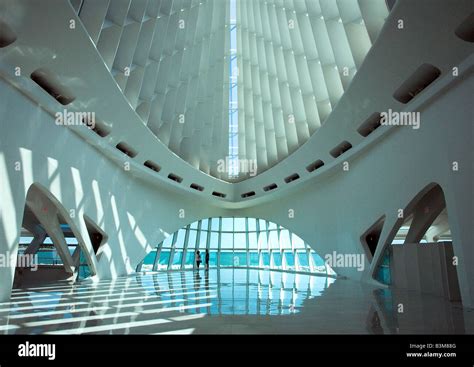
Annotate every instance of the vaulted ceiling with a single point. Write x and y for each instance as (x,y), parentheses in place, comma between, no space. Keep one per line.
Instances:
(278,67)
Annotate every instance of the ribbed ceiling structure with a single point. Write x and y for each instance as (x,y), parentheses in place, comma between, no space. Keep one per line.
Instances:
(171,59)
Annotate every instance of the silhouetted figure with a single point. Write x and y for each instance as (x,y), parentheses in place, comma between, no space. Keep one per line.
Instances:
(198,259)
(207,259)
(206,280)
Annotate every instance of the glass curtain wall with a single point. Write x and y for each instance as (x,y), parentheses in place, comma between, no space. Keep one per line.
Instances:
(235,242)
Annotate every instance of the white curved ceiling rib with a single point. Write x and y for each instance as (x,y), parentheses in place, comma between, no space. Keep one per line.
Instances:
(295,59)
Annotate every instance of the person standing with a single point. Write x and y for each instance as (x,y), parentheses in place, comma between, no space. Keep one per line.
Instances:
(207,259)
(198,259)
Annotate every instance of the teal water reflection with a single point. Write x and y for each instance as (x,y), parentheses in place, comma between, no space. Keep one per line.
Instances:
(237,291)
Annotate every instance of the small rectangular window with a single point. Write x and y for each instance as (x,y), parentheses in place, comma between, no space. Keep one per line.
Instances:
(340,149)
(292,178)
(197,187)
(315,165)
(175,178)
(126,149)
(416,83)
(369,125)
(270,187)
(52,85)
(152,165)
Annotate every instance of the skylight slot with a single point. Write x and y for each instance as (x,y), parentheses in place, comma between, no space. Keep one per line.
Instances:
(417,82)
(52,85)
(270,187)
(233,154)
(126,149)
(175,178)
(315,165)
(197,187)
(340,149)
(369,125)
(152,165)
(292,178)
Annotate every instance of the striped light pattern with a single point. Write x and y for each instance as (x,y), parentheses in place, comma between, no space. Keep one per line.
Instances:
(171,60)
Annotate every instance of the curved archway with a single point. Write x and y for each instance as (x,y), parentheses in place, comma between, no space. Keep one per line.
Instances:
(51,241)
(235,242)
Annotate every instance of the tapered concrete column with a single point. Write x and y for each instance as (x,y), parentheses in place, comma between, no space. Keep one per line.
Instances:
(425,212)
(47,215)
(35,243)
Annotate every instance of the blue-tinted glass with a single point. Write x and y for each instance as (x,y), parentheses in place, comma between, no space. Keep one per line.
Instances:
(303,259)
(254,258)
(150,258)
(227,224)
(234,245)
(253,244)
(227,240)
(252,224)
(215,224)
(212,258)
(194,225)
(192,239)
(318,260)
(383,272)
(164,257)
(203,240)
(273,240)
(204,224)
(383,275)
(240,258)
(240,241)
(178,255)
(262,241)
(276,259)
(180,239)
(168,241)
(48,257)
(25,240)
(84,270)
(189,258)
(239,225)
(214,241)
(227,258)
(285,242)
(290,259)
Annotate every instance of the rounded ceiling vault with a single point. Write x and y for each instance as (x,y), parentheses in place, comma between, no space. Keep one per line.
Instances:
(172,60)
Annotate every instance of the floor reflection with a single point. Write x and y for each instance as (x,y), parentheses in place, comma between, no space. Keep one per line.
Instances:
(226,301)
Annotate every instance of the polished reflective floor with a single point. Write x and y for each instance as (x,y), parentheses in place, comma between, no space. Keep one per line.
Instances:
(227,301)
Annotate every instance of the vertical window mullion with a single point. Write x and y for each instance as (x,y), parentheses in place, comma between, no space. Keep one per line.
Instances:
(185,247)
(157,256)
(172,250)
(219,239)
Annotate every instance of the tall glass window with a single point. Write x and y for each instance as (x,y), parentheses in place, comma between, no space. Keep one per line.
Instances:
(236,242)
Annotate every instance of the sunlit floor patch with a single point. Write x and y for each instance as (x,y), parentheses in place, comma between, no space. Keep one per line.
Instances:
(225,301)
(131,304)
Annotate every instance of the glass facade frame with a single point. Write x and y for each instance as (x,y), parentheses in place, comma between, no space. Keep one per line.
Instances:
(235,242)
